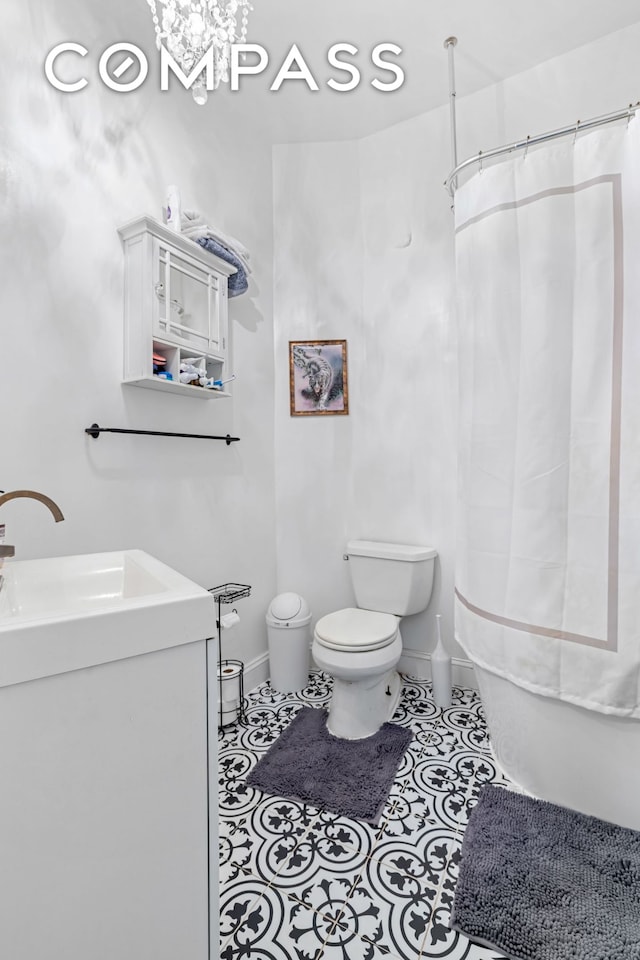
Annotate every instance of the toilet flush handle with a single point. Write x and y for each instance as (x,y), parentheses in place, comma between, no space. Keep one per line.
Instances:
(345,556)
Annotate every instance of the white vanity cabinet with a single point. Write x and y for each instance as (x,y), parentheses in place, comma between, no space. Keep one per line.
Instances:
(176,309)
(108,760)
(103,812)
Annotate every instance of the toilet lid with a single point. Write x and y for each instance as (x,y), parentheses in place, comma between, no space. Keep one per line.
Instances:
(356,630)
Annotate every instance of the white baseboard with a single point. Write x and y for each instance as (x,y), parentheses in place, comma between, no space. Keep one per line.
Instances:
(414,662)
(418,664)
(256,672)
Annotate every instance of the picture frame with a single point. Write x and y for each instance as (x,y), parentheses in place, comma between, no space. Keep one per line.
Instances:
(318,378)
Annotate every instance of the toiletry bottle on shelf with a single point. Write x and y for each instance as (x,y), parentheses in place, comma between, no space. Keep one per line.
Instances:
(174,213)
(441,670)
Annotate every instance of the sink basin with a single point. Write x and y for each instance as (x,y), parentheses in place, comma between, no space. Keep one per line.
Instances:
(67,613)
(64,585)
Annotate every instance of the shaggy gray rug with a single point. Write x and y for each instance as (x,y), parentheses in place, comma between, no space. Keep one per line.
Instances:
(349,777)
(541,882)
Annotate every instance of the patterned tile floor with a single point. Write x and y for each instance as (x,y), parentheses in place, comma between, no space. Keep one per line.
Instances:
(300,884)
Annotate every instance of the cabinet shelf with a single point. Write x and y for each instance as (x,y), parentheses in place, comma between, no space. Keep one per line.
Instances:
(172,386)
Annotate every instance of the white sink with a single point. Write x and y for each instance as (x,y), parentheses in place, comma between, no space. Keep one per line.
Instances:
(66,613)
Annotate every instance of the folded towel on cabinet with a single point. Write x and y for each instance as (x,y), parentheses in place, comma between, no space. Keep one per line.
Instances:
(238,282)
(195,227)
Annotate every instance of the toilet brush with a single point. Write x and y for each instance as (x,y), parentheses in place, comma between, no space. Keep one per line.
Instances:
(441,670)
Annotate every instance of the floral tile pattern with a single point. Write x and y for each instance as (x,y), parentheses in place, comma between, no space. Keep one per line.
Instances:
(297,883)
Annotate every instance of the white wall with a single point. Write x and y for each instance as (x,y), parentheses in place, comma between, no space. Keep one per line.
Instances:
(318,273)
(74,167)
(363,251)
(353,260)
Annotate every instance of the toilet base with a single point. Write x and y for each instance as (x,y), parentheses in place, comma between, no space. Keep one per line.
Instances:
(358,709)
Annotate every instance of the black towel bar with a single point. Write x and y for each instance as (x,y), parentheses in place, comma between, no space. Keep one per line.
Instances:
(94,431)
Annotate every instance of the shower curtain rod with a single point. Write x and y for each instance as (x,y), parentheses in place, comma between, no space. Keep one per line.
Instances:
(449,45)
(578,127)
(451,183)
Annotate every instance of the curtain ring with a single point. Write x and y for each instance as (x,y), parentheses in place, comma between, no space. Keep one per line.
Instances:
(526,147)
(480,160)
(575,136)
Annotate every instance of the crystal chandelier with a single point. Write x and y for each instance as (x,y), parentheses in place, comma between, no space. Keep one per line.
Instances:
(189,27)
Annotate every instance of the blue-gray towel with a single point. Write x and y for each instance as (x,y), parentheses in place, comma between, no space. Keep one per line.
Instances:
(238,282)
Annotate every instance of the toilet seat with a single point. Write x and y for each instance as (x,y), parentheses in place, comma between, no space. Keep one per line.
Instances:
(356,631)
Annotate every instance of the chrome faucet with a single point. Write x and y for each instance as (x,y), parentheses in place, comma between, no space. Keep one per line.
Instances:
(8,550)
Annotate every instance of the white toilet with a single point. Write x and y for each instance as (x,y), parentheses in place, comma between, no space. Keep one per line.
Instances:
(360,647)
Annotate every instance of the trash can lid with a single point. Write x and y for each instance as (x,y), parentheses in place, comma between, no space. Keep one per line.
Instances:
(289,606)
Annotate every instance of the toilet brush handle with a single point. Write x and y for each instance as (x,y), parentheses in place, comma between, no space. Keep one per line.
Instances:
(441,670)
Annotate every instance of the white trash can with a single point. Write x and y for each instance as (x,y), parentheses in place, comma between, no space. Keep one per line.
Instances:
(288,619)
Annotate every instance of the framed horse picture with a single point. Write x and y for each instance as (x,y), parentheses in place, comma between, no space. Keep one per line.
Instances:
(318,378)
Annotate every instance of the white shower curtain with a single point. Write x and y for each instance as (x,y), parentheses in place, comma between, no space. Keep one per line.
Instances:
(548,560)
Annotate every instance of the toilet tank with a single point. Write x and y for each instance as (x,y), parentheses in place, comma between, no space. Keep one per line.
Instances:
(391,577)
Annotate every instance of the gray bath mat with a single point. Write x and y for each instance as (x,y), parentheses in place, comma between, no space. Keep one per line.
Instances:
(349,777)
(541,882)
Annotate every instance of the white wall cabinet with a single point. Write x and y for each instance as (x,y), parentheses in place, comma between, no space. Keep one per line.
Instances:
(176,308)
